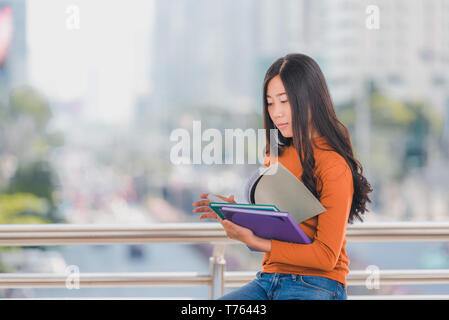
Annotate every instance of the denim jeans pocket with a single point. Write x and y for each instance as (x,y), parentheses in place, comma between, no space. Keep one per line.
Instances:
(341,285)
(342,291)
(320,283)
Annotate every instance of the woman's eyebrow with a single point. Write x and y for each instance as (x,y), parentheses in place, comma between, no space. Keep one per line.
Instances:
(276,95)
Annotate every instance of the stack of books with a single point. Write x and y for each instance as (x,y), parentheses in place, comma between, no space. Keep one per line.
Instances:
(277,203)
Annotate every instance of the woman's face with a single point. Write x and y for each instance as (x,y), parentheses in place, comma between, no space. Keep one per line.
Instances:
(279,107)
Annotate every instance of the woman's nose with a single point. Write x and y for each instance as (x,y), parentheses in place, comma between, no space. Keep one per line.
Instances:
(277,111)
(278,114)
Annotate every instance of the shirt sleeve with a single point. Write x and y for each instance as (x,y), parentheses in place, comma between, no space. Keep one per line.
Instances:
(325,249)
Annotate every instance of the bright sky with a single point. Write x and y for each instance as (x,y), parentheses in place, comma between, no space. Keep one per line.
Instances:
(105,61)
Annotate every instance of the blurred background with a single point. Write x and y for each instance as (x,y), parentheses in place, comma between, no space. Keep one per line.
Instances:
(91,90)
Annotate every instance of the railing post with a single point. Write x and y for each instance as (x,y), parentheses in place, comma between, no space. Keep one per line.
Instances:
(217,269)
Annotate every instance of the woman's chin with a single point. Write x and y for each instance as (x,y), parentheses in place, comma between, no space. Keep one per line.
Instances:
(285,135)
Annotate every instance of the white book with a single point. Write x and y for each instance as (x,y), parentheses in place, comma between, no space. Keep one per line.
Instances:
(276,185)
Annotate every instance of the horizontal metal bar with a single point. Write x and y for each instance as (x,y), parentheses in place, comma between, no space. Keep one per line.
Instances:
(51,240)
(64,234)
(398,231)
(164,227)
(201,226)
(231,279)
(404,276)
(198,226)
(65,280)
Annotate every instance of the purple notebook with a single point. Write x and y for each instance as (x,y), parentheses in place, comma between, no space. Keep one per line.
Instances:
(277,225)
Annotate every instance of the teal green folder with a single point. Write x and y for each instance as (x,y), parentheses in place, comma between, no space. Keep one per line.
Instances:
(216,206)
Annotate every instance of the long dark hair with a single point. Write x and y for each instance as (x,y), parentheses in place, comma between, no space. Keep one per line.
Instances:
(307,91)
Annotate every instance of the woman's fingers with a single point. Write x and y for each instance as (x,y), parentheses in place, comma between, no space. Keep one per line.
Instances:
(202,209)
(201,203)
(228,199)
(203,206)
(222,198)
(209,215)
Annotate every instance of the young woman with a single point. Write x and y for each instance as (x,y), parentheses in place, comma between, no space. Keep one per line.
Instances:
(316,147)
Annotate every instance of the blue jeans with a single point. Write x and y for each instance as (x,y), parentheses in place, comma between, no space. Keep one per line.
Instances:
(285,286)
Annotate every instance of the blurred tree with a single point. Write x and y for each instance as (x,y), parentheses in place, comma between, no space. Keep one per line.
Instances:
(25,125)
(22,208)
(416,144)
(411,124)
(399,131)
(39,179)
(25,136)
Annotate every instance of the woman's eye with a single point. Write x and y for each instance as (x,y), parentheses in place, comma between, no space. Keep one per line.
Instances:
(270,103)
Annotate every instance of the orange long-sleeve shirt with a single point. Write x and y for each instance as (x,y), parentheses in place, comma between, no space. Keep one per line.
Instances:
(326,255)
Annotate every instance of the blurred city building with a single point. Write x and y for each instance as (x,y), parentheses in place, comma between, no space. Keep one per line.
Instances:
(13,49)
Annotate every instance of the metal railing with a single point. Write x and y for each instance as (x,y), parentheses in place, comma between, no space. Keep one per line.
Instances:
(212,233)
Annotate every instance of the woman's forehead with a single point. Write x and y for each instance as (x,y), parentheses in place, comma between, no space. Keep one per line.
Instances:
(275,87)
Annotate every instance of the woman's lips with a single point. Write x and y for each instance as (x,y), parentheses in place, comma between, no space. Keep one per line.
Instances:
(282,125)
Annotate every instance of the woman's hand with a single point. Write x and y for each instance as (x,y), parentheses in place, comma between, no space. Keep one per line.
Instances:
(203,206)
(233,230)
(236,232)
(245,235)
